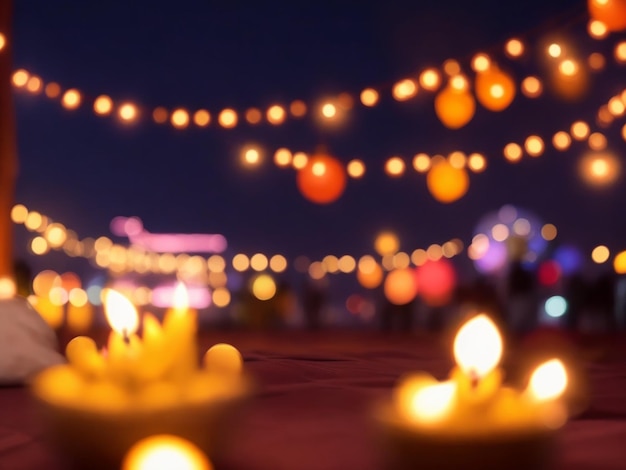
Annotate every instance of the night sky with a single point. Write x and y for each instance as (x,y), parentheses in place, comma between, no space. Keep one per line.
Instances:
(83,170)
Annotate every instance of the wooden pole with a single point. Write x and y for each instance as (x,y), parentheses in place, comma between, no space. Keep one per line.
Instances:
(8,142)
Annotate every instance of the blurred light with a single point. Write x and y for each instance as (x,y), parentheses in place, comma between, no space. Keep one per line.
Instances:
(71,99)
(282,157)
(549,232)
(103,105)
(7,288)
(534,146)
(78,297)
(20,77)
(56,235)
(569,258)
(430,79)
(355,168)
(201,118)
(600,254)
(514,48)
(477,162)
(278,263)
(596,61)
(616,106)
(434,252)
(451,67)
(330,264)
(419,257)
(253,115)
(258,262)
(227,118)
(329,110)
(34,84)
(549,273)
(127,112)
(316,270)
(216,263)
(597,29)
(33,221)
(457,159)
(19,213)
(221,297)
(500,232)
(579,130)
(597,141)
(531,87)
(512,152)
(480,62)
(620,52)
(52,90)
(568,67)
(394,166)
(240,262)
(369,97)
(604,117)
(94,293)
(297,108)
(600,169)
(421,163)
(3,41)
(386,243)
(299,160)
(624,132)
(619,263)
(346,264)
(404,90)
(179,118)
(39,246)
(522,227)
(556,306)
(276,115)
(459,82)
(401,260)
(554,50)
(159,115)
(252,157)
(561,140)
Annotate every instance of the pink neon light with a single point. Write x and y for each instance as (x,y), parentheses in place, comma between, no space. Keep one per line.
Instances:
(163,296)
(132,227)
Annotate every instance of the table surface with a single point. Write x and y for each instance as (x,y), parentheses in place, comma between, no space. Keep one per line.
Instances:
(316,390)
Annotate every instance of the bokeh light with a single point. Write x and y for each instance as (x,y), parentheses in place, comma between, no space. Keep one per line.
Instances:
(534,146)
(421,163)
(71,99)
(400,286)
(276,114)
(446,183)
(263,287)
(436,281)
(513,152)
(355,168)
(600,254)
(561,140)
(532,87)
(555,306)
(322,180)
(430,79)
(369,97)
(404,90)
(514,48)
(179,118)
(227,118)
(477,163)
(394,166)
(201,118)
(103,105)
(599,169)
(386,243)
(165,452)
(283,157)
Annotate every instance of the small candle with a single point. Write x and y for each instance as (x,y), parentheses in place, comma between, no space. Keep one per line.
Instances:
(179,327)
(165,452)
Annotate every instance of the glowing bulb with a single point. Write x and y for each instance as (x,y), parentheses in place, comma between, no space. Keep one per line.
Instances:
(597,29)
(355,168)
(71,99)
(253,116)
(554,50)
(180,118)
(404,90)
(369,97)
(579,130)
(451,67)
(7,288)
(20,78)
(159,115)
(620,52)
(227,118)
(52,90)
(459,82)
(513,152)
(252,157)
(103,105)
(299,160)
(318,169)
(534,145)
(128,112)
(19,213)
(297,108)
(561,140)
(259,262)
(329,110)
(432,402)
(430,79)
(478,346)
(282,157)
(568,67)
(548,381)
(600,254)
(477,162)
(3,41)
(264,287)
(34,84)
(421,163)
(597,141)
(616,106)
(276,115)
(514,48)
(394,166)
(165,452)
(596,61)
(481,62)
(201,118)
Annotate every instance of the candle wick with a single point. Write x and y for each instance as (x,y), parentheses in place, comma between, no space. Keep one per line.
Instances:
(125,336)
(474,379)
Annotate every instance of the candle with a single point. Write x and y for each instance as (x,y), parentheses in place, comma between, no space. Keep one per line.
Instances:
(100,403)
(472,420)
(165,452)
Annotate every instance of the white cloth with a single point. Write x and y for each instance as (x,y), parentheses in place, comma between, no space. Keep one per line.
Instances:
(27,344)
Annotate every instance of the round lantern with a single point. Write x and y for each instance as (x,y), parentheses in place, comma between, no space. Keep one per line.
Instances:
(611,12)
(455,107)
(437,280)
(322,180)
(495,89)
(400,286)
(447,183)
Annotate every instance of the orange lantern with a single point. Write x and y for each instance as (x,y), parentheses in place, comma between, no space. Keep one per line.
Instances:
(455,106)
(400,286)
(322,180)
(495,89)
(610,12)
(447,183)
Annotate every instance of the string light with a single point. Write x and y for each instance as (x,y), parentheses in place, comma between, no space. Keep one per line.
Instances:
(597,29)
(531,87)
(276,115)
(227,118)
(355,168)
(395,166)
(128,112)
(329,110)
(103,105)
(620,52)
(71,99)
(480,62)
(514,48)
(201,118)
(421,163)
(513,152)
(369,97)
(554,50)
(179,118)
(253,116)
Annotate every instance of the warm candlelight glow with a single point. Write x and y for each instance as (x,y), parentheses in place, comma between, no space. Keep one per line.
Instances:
(181,297)
(432,402)
(548,381)
(478,346)
(121,313)
(165,452)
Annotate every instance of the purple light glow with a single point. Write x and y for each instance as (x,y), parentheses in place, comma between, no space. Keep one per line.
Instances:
(163,296)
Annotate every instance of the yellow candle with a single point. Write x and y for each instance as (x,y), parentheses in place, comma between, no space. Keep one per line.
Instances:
(83,354)
(154,363)
(179,327)
(223,359)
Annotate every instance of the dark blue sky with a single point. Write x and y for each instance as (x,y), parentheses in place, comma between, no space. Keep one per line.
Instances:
(83,170)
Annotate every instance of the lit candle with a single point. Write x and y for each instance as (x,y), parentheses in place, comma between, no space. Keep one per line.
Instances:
(165,452)
(179,327)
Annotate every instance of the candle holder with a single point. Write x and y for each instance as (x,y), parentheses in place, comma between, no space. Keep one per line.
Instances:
(98,439)
(407,447)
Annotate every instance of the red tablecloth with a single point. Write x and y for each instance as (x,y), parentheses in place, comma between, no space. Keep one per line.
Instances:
(311,412)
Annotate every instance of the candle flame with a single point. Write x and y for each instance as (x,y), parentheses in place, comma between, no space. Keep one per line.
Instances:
(181,297)
(478,346)
(432,402)
(120,312)
(548,381)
